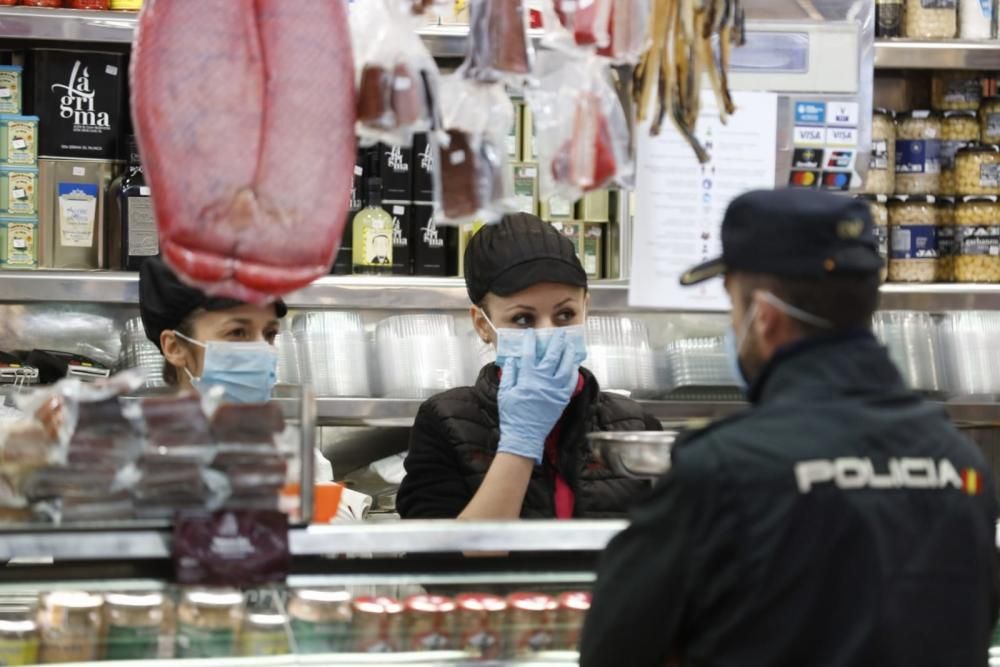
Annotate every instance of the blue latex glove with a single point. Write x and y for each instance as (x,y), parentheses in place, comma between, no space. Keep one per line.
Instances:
(534,393)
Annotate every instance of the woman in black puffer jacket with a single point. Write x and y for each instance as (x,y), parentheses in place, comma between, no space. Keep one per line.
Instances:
(514,445)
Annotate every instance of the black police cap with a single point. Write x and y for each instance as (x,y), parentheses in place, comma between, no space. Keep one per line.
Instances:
(165,302)
(518,252)
(795,233)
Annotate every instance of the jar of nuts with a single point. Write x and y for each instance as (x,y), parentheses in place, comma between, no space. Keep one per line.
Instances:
(913,240)
(918,147)
(931,19)
(989,121)
(881,179)
(977,231)
(958,130)
(977,170)
(880,216)
(956,91)
(944,213)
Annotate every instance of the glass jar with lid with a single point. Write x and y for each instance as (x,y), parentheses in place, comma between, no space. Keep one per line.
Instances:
(70,627)
(878,204)
(881,178)
(944,212)
(918,149)
(977,233)
(18,638)
(913,240)
(956,90)
(133,622)
(958,130)
(208,622)
(977,170)
(931,19)
(989,121)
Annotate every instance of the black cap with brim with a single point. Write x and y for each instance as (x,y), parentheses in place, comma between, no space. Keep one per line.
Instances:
(165,302)
(794,233)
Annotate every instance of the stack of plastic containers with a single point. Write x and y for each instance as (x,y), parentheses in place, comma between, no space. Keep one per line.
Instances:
(912,339)
(138,352)
(333,353)
(620,356)
(288,358)
(696,367)
(419,355)
(970,342)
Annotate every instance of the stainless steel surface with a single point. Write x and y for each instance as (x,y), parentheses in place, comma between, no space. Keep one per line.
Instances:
(636,454)
(307,415)
(945,54)
(66,25)
(356,538)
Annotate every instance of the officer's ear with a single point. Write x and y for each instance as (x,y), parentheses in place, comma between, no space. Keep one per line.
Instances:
(772,326)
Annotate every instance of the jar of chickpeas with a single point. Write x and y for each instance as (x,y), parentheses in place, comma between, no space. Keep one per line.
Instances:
(989,121)
(931,19)
(944,215)
(881,179)
(977,170)
(958,130)
(918,149)
(956,91)
(913,240)
(878,204)
(977,231)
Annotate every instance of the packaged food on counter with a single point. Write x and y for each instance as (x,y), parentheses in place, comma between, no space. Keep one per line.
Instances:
(474,179)
(18,640)
(977,231)
(428,622)
(880,216)
(931,19)
(208,623)
(70,627)
(977,171)
(532,620)
(956,91)
(573,608)
(18,243)
(498,41)
(133,622)
(18,140)
(959,129)
(881,179)
(918,147)
(580,127)
(481,619)
(377,625)
(320,620)
(10,89)
(396,75)
(913,240)
(989,121)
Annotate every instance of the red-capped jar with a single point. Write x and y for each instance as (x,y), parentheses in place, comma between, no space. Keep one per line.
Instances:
(573,608)
(88,4)
(8,3)
(377,624)
(532,622)
(480,625)
(429,621)
(54,4)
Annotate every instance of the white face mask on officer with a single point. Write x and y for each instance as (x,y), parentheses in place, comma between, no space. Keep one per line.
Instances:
(733,344)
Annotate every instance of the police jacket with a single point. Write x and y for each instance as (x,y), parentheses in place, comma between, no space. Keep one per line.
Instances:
(454,440)
(841,521)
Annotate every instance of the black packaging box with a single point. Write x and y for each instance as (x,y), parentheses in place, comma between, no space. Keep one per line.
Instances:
(343,263)
(396,167)
(423,169)
(81,100)
(402,236)
(435,248)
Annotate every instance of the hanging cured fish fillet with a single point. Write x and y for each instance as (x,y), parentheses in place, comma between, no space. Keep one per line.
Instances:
(244,112)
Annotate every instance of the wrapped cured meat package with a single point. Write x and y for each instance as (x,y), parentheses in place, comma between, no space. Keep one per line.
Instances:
(581,130)
(395,74)
(628,31)
(615,29)
(474,179)
(244,115)
(499,48)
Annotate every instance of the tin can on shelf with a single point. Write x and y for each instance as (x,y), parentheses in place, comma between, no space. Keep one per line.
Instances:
(429,622)
(208,621)
(480,624)
(18,243)
(532,622)
(573,608)
(18,641)
(19,140)
(10,89)
(320,620)
(19,191)
(377,624)
(70,627)
(133,623)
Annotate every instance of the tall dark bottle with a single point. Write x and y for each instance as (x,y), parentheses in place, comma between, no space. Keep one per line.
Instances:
(132,235)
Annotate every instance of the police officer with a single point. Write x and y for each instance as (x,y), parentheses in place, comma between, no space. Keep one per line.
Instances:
(842,520)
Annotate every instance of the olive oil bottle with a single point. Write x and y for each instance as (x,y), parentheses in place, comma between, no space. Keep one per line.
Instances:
(373,229)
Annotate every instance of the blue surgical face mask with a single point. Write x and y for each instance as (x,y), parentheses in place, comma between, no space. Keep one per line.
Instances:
(510,342)
(247,372)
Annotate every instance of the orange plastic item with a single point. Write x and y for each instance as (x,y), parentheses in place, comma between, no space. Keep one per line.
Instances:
(326,500)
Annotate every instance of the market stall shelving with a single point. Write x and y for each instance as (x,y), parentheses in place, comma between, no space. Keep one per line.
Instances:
(413,293)
(70,25)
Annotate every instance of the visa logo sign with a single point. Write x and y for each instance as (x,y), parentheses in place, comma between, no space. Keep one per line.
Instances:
(805,136)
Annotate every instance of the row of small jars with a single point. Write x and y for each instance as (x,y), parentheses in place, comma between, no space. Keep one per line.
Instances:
(928,240)
(927,153)
(934,19)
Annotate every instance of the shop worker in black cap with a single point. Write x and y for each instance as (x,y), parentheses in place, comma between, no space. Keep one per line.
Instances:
(842,520)
(514,445)
(209,341)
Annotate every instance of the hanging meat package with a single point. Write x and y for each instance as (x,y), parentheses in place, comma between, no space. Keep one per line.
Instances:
(615,29)
(244,113)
